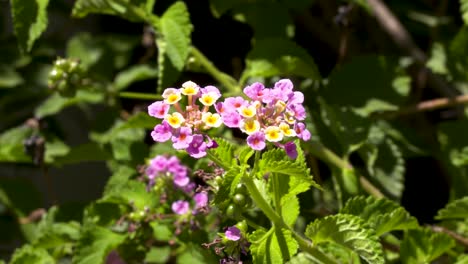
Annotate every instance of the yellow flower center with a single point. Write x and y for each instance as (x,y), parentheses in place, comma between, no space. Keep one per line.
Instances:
(250,126)
(172,99)
(208,99)
(211,120)
(175,119)
(286,130)
(273,134)
(248,111)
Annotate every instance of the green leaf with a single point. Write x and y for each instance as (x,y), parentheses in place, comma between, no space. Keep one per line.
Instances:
(457,209)
(382,215)
(194,254)
(277,56)
(301,258)
(28,254)
(231,178)
(11,144)
(349,231)
(139,120)
(462,259)
(95,244)
(158,255)
(119,179)
(9,78)
(161,231)
(464,10)
(134,10)
(134,74)
(274,246)
(297,177)
(167,72)
(29,20)
(290,209)
(56,103)
(423,246)
(55,148)
(133,193)
(438,61)
(175,26)
(223,155)
(386,166)
(51,234)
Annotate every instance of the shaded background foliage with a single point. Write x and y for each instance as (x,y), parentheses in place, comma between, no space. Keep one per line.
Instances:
(349,67)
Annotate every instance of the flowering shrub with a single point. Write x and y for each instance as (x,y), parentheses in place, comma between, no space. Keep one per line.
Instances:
(282,160)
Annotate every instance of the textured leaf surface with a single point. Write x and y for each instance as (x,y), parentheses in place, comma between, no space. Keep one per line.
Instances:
(381,214)
(30,20)
(176,28)
(223,155)
(95,244)
(274,246)
(457,209)
(28,254)
(348,231)
(123,8)
(133,193)
(424,246)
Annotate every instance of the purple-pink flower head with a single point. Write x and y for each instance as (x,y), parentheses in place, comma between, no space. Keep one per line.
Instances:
(233,233)
(162,132)
(201,199)
(256,141)
(197,148)
(158,109)
(187,112)
(180,207)
(271,115)
(255,91)
(182,138)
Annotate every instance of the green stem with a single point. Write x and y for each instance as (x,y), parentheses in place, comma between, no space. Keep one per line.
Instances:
(331,158)
(220,76)
(141,96)
(304,244)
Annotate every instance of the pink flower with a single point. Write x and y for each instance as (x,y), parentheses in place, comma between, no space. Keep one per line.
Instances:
(296,98)
(197,148)
(256,141)
(255,91)
(158,109)
(182,138)
(162,132)
(233,103)
(232,119)
(302,131)
(181,180)
(211,89)
(158,164)
(180,207)
(233,233)
(201,200)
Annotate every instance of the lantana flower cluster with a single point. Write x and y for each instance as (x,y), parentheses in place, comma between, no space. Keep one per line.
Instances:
(271,115)
(170,167)
(185,125)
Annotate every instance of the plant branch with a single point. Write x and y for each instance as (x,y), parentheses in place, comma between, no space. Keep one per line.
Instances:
(424,106)
(332,159)
(223,78)
(403,39)
(460,239)
(141,96)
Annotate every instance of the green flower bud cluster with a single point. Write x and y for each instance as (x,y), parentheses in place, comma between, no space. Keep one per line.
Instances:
(66,76)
